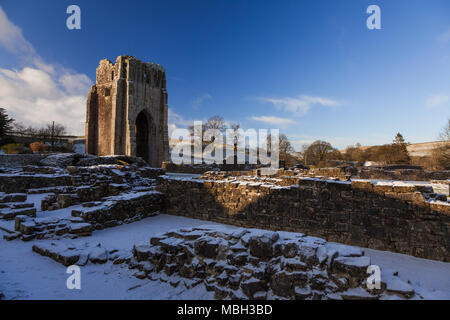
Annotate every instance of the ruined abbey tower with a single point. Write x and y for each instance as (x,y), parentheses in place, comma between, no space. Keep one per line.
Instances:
(127,111)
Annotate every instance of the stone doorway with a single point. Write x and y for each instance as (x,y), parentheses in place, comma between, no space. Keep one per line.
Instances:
(142,131)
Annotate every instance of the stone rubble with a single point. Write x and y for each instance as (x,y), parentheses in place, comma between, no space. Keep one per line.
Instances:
(48,228)
(257,264)
(103,191)
(81,254)
(14,204)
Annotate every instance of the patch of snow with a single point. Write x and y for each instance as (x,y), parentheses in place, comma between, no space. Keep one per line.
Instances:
(27,275)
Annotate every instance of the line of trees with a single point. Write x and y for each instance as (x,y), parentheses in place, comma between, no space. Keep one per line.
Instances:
(47,133)
(44,137)
(322,153)
(394,153)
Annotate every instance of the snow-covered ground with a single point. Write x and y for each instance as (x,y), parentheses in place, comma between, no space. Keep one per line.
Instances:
(28,275)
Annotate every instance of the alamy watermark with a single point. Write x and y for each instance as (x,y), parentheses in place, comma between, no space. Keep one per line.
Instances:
(73,282)
(73,22)
(373,282)
(374,20)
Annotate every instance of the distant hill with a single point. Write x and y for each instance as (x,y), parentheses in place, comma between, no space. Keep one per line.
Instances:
(415,149)
(422,149)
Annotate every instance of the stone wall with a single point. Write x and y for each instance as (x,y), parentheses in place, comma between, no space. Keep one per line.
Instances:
(347,173)
(402,174)
(378,173)
(124,208)
(29,228)
(19,160)
(202,168)
(382,217)
(21,182)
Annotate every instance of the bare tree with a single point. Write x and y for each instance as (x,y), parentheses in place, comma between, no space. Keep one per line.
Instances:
(55,130)
(285,145)
(216,122)
(319,151)
(445,134)
(441,154)
(50,133)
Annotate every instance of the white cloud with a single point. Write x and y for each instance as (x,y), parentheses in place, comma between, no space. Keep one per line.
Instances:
(299,105)
(33,97)
(39,92)
(200,99)
(280,122)
(75,83)
(437,100)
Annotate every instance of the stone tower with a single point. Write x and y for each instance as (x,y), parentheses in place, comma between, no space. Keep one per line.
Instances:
(127,111)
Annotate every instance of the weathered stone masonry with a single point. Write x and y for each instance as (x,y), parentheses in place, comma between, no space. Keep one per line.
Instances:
(358,213)
(127,111)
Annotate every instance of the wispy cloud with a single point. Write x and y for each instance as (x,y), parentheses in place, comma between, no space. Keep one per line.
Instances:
(11,37)
(299,105)
(40,92)
(437,100)
(444,37)
(273,120)
(200,99)
(176,121)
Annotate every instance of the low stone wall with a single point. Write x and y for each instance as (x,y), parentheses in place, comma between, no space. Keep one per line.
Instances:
(80,254)
(16,183)
(381,217)
(28,228)
(402,174)
(201,168)
(110,212)
(20,160)
(125,208)
(344,174)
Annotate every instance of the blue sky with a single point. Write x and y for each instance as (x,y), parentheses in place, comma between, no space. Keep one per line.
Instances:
(310,68)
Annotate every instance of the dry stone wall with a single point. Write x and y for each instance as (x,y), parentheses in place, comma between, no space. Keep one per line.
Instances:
(343,173)
(384,217)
